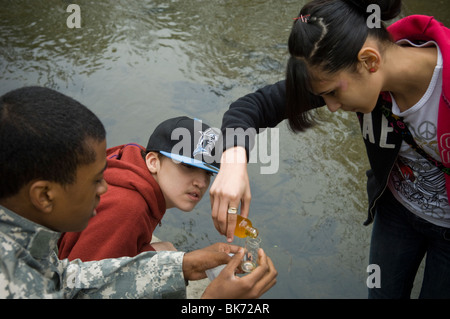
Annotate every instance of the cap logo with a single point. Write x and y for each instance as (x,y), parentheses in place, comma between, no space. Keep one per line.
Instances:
(206,142)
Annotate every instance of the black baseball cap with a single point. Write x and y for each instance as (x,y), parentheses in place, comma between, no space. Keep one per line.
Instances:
(187,140)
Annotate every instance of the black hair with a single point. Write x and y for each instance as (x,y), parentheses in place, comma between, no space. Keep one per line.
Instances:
(44,135)
(328,34)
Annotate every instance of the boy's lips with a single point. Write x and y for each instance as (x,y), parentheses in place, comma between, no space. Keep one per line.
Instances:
(194,196)
(94,211)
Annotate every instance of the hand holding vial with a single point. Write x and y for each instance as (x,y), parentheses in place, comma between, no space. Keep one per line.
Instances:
(250,260)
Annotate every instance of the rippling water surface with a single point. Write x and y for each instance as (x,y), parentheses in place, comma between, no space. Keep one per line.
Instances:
(136,63)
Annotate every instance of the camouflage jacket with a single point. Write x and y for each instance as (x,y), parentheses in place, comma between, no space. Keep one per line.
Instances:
(30,268)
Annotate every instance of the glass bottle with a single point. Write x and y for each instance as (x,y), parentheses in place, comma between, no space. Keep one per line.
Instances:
(250,260)
(244,228)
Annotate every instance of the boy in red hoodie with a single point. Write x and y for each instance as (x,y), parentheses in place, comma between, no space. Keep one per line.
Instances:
(173,171)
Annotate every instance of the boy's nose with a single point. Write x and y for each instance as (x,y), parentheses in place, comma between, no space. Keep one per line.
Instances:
(202,179)
(102,188)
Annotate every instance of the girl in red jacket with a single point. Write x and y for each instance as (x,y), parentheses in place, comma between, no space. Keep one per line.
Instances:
(397,81)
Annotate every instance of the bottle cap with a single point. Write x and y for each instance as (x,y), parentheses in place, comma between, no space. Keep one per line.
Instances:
(253,232)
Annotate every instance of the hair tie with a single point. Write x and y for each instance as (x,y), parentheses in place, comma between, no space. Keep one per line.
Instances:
(303,18)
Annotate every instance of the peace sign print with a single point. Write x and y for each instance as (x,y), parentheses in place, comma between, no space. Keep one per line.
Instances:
(427,130)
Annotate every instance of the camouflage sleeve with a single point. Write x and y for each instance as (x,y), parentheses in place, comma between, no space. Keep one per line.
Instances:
(148,275)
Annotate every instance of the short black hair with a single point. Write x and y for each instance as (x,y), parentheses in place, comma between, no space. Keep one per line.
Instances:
(44,135)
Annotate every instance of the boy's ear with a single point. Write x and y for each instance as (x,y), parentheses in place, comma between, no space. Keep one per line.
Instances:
(42,195)
(152,161)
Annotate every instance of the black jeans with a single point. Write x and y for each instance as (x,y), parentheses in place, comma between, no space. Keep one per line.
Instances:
(400,240)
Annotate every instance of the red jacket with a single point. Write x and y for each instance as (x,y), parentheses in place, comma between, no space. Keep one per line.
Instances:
(127,215)
(425,28)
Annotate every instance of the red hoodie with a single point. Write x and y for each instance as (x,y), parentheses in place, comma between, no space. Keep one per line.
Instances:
(127,215)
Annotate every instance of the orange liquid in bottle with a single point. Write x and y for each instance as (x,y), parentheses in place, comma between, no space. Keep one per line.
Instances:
(244,228)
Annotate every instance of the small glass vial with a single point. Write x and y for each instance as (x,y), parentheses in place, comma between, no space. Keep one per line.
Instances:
(250,260)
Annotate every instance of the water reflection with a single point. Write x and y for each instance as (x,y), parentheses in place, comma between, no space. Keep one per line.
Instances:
(136,63)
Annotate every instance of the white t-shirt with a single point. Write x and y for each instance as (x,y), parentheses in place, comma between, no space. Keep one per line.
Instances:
(414,181)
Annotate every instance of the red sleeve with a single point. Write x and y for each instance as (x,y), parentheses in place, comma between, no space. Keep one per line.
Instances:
(122,227)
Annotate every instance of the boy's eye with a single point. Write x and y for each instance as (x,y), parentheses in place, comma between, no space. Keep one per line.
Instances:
(193,167)
(99,181)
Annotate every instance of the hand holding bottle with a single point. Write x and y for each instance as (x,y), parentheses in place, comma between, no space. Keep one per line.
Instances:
(231,188)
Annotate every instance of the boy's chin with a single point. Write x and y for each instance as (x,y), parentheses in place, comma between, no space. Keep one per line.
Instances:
(187,209)
(83,226)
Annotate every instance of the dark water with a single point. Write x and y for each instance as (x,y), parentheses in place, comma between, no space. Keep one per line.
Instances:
(136,63)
